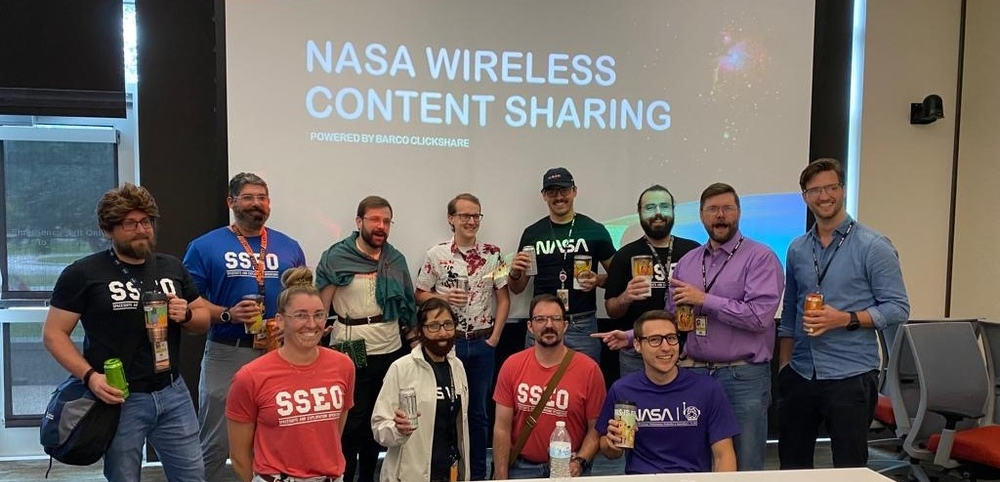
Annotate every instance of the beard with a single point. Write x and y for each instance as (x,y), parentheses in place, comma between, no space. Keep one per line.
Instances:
(439,347)
(368,237)
(135,249)
(540,339)
(723,238)
(659,232)
(251,217)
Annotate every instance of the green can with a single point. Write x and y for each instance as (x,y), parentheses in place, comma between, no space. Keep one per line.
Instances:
(114,372)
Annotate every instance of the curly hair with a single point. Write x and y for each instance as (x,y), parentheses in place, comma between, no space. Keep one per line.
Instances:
(118,202)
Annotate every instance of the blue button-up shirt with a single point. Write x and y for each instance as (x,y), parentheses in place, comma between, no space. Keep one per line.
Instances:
(864,276)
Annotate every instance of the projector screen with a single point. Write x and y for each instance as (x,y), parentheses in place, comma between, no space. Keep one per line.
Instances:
(419,101)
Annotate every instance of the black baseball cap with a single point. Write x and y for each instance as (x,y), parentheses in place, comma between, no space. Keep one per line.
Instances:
(557,177)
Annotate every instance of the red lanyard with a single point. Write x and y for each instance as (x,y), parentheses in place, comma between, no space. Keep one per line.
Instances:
(258,269)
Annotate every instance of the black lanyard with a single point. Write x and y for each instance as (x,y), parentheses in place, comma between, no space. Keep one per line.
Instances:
(820,276)
(569,237)
(656,256)
(704,272)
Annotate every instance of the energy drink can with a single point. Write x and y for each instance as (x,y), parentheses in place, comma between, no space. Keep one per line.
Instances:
(533,269)
(408,404)
(114,372)
(581,265)
(625,414)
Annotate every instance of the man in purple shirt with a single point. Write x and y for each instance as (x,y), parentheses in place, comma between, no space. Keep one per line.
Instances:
(734,285)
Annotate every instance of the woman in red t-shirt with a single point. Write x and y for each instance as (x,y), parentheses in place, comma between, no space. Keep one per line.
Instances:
(287,409)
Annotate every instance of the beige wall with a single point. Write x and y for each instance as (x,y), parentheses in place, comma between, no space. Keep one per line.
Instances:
(911,50)
(975,291)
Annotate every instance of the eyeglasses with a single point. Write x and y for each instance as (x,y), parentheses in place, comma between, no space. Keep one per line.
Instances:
(436,327)
(829,189)
(558,191)
(715,210)
(131,224)
(657,340)
(664,208)
(543,319)
(302,316)
(469,217)
(249,198)
(379,221)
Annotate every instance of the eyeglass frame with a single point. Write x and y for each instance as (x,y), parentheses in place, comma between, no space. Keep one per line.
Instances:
(667,338)
(829,189)
(553,192)
(379,221)
(148,223)
(545,319)
(715,210)
(303,316)
(249,198)
(438,326)
(466,217)
(652,208)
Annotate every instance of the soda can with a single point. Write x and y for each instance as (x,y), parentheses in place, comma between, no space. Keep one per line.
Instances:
(685,317)
(114,373)
(408,404)
(642,266)
(533,268)
(625,414)
(271,334)
(814,301)
(256,324)
(581,264)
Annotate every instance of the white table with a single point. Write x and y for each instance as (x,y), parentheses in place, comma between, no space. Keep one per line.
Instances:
(815,475)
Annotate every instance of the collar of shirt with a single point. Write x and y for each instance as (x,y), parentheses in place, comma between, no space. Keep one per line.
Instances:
(456,250)
(841,229)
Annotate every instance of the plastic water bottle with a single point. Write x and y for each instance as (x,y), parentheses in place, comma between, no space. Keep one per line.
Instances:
(560,451)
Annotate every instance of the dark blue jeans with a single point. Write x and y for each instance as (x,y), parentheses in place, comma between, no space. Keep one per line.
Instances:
(479,359)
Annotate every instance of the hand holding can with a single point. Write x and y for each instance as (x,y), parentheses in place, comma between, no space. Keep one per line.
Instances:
(581,270)
(642,267)
(625,414)
(533,267)
(256,324)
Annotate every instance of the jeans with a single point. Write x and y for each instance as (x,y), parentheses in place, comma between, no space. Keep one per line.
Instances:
(218,366)
(629,361)
(359,445)
(748,388)
(166,417)
(845,407)
(480,361)
(578,337)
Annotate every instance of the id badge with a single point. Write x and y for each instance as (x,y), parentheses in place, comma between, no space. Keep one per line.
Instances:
(563,294)
(701,325)
(161,354)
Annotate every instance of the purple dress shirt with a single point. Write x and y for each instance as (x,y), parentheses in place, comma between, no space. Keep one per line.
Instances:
(740,305)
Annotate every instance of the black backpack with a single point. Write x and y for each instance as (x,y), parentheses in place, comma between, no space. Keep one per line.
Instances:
(78,427)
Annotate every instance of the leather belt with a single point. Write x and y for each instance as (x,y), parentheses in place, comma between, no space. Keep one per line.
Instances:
(474,334)
(368,320)
(574,317)
(692,363)
(286,478)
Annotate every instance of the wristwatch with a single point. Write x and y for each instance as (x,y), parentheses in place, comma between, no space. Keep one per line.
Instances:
(582,461)
(854,324)
(226,316)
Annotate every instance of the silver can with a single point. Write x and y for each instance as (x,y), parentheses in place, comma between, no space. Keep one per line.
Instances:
(533,268)
(462,283)
(408,404)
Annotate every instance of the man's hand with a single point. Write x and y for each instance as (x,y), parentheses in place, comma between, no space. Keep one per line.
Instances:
(587,280)
(686,294)
(520,263)
(99,385)
(614,437)
(403,425)
(616,339)
(176,308)
(456,297)
(244,311)
(817,322)
(636,289)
